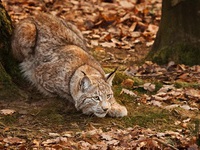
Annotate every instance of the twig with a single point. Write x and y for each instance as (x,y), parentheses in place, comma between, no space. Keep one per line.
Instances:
(168,145)
(2,124)
(19,129)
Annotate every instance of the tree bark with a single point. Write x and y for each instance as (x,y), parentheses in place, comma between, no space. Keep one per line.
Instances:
(8,66)
(178,38)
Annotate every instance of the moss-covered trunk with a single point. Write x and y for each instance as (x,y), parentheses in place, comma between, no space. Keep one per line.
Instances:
(178,38)
(8,66)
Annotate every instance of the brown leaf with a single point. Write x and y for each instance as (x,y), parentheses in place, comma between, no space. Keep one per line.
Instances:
(36,143)
(169,107)
(156,103)
(127,83)
(148,44)
(108,37)
(135,34)
(149,87)
(193,93)
(126,4)
(7,111)
(107,44)
(133,26)
(152,28)
(14,140)
(141,26)
(106,137)
(193,147)
(187,107)
(128,92)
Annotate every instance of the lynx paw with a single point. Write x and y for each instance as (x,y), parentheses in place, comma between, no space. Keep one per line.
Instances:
(118,111)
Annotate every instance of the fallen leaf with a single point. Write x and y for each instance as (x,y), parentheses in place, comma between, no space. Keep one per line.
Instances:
(84,144)
(187,107)
(128,83)
(149,87)
(50,141)
(14,140)
(186,120)
(177,122)
(67,134)
(156,103)
(107,44)
(113,142)
(132,28)
(193,93)
(148,44)
(36,143)
(106,137)
(135,34)
(126,4)
(152,28)
(94,42)
(54,134)
(171,106)
(166,88)
(184,125)
(7,111)
(126,91)
(193,147)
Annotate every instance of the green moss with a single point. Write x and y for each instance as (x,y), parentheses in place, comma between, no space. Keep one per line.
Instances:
(123,98)
(5,35)
(8,90)
(52,114)
(119,78)
(6,21)
(8,67)
(56,118)
(142,114)
(187,85)
(148,117)
(196,130)
(138,81)
(141,90)
(4,77)
(9,119)
(187,53)
(158,86)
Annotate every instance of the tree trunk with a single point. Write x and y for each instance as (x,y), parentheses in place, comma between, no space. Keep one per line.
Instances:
(8,90)
(178,38)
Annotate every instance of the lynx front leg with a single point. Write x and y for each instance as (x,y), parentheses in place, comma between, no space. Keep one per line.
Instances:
(117,110)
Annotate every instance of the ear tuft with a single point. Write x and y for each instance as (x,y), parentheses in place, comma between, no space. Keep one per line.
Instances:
(110,76)
(85,83)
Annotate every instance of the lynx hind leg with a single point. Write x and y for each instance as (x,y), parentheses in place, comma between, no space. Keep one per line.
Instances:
(78,38)
(117,110)
(23,40)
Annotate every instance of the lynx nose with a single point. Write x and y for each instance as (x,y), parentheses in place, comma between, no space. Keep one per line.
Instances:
(105,109)
(105,105)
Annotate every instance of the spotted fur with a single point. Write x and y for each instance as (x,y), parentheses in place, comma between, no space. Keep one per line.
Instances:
(53,57)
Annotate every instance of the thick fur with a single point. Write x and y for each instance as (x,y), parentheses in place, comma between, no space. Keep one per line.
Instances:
(54,58)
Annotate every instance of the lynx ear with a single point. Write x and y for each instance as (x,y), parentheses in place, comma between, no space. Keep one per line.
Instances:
(110,76)
(85,83)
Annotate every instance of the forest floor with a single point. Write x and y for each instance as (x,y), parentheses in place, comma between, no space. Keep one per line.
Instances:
(163,102)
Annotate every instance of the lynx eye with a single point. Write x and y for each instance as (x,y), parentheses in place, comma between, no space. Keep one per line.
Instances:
(96,98)
(109,96)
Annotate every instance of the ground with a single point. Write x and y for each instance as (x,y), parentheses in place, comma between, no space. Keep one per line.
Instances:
(162,101)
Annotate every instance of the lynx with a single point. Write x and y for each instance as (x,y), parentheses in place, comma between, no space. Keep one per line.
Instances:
(53,57)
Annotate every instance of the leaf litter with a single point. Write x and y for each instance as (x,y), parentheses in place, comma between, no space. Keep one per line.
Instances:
(118,32)
(113,138)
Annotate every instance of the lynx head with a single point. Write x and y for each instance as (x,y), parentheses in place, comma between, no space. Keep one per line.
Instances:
(93,93)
